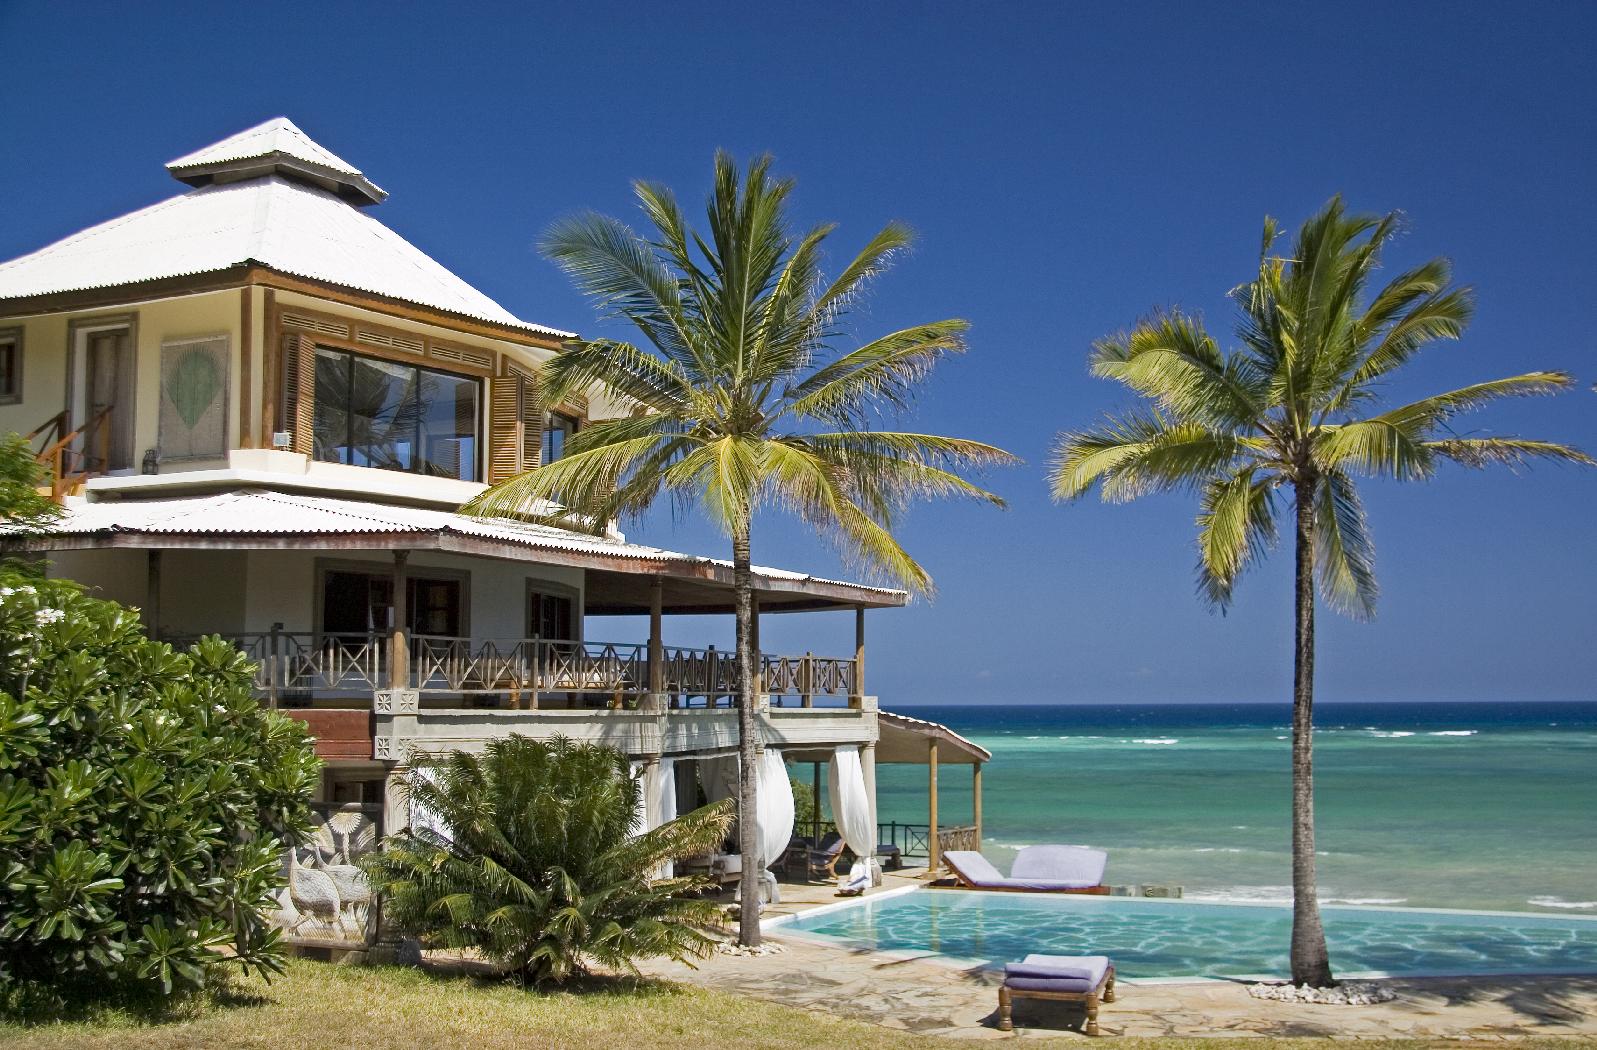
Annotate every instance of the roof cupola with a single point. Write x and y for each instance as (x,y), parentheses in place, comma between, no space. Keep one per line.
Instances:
(276,147)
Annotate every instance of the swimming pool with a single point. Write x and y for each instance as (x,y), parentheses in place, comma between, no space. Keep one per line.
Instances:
(1179,939)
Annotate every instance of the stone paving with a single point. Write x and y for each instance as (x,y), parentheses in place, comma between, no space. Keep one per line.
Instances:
(933,998)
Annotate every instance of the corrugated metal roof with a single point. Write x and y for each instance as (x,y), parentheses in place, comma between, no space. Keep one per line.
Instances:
(278,135)
(254,512)
(291,227)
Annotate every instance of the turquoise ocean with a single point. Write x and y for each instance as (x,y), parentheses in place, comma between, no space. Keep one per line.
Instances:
(1463,805)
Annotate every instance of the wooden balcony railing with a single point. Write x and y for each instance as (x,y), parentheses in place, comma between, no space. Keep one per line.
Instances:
(294,665)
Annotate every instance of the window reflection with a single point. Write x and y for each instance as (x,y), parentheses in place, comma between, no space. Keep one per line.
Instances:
(392,416)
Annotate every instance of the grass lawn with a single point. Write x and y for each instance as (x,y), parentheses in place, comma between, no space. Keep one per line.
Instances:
(322,1005)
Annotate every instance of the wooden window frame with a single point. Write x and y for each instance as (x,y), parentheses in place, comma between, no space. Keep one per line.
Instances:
(78,331)
(12,338)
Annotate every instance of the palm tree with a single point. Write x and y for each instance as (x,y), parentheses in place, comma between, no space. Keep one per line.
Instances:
(744,399)
(530,854)
(1292,411)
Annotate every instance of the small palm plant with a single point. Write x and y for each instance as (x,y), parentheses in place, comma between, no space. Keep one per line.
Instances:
(745,399)
(1292,411)
(530,854)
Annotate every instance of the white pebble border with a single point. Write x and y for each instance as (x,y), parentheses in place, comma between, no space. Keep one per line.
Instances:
(1353,993)
(734,948)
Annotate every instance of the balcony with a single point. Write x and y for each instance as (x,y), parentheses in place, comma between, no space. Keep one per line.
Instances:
(306,669)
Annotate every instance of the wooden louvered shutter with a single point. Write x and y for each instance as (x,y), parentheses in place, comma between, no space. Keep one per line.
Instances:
(505,430)
(532,422)
(299,391)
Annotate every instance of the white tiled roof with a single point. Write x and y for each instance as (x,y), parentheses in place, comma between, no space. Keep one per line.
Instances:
(252,512)
(278,135)
(291,227)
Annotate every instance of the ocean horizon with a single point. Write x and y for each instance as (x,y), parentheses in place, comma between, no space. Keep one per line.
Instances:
(1443,804)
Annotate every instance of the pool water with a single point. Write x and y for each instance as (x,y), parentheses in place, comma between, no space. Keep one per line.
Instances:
(1155,938)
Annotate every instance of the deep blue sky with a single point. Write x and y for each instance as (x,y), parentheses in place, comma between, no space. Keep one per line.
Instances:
(1067,167)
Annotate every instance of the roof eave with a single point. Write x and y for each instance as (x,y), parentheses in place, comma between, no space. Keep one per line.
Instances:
(355,188)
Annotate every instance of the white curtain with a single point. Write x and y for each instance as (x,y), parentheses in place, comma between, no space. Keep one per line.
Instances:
(657,802)
(640,818)
(853,808)
(775,807)
(719,777)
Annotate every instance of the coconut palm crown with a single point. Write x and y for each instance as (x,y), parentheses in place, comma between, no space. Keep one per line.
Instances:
(744,395)
(1291,418)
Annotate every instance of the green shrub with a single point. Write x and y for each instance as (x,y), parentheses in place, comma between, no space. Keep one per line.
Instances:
(528,854)
(145,796)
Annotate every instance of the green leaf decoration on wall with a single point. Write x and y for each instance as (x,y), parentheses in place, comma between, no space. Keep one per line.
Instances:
(192,385)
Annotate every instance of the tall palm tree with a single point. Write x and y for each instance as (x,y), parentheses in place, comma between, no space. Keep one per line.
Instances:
(744,399)
(1292,411)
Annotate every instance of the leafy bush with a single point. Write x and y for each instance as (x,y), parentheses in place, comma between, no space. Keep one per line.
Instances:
(529,854)
(145,797)
(21,475)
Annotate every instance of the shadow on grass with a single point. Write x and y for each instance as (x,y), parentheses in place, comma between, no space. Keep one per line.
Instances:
(466,972)
(124,1005)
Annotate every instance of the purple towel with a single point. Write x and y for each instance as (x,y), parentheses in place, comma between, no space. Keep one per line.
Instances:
(1048,973)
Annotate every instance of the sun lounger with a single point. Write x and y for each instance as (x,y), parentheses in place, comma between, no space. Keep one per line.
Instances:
(1086,979)
(1037,869)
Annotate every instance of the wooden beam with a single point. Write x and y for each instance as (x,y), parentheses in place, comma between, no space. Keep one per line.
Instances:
(246,364)
(934,854)
(399,652)
(271,371)
(858,694)
(656,642)
(975,797)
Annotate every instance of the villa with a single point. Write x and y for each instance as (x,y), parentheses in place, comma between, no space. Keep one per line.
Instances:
(263,410)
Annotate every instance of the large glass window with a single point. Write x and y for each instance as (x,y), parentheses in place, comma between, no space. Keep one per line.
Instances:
(372,413)
(557,430)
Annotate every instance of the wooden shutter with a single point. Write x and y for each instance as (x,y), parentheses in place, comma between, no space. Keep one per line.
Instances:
(299,391)
(505,431)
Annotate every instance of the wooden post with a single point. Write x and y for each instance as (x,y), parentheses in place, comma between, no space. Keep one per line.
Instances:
(975,797)
(806,680)
(815,829)
(398,653)
(867,761)
(656,644)
(152,593)
(754,643)
(857,694)
(934,855)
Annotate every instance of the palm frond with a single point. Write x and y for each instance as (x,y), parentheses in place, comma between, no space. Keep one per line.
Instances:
(882,374)
(1344,555)
(1512,452)
(1427,413)
(619,369)
(1172,360)
(1236,526)
(1133,456)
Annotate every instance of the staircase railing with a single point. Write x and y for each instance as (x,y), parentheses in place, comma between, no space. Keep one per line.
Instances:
(70,466)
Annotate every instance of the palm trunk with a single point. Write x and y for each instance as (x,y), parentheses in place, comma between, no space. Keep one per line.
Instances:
(748,740)
(1311,961)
